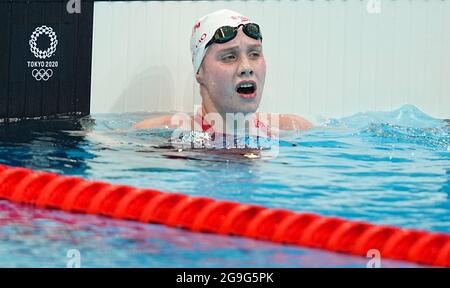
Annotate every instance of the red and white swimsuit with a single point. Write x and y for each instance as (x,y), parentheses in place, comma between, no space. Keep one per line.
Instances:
(206,127)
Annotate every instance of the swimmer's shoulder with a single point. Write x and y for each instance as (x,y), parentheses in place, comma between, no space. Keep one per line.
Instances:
(155,122)
(165,121)
(294,122)
(291,122)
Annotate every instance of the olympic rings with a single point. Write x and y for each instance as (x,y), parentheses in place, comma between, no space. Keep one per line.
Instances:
(42,74)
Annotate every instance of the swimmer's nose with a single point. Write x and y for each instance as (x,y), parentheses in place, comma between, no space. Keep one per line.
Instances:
(247,72)
(245,68)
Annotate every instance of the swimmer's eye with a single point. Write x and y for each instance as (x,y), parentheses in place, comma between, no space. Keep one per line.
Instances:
(254,54)
(229,57)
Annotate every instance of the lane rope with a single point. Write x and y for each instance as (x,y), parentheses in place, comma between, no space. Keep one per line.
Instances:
(201,214)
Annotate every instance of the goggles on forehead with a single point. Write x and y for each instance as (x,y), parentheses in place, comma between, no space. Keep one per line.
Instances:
(227,33)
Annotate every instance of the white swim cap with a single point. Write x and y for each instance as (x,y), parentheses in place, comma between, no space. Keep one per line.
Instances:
(205,28)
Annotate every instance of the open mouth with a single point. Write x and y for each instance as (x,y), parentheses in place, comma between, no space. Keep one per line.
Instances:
(246,89)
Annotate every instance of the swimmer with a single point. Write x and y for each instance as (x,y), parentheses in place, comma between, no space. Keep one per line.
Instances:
(230,67)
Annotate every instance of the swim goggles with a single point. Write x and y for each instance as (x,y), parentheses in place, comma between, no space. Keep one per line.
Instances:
(227,33)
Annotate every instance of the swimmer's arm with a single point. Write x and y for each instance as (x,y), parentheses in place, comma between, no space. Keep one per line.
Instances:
(294,122)
(284,121)
(106,139)
(158,122)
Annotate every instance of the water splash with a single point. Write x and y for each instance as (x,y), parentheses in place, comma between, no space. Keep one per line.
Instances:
(405,125)
(407,116)
(436,138)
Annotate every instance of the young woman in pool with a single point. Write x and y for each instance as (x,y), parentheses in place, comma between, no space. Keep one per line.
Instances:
(230,68)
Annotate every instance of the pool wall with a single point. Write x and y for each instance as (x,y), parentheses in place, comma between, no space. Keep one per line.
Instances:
(45,58)
(324,58)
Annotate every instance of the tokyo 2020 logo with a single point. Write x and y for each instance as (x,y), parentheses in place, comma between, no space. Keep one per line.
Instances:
(42,69)
(42,54)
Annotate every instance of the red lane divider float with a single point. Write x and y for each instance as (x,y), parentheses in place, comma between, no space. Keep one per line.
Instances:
(49,190)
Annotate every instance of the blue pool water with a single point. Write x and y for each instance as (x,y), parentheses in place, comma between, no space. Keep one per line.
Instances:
(382,167)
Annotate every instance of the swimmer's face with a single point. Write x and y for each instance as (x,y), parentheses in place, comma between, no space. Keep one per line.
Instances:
(232,75)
